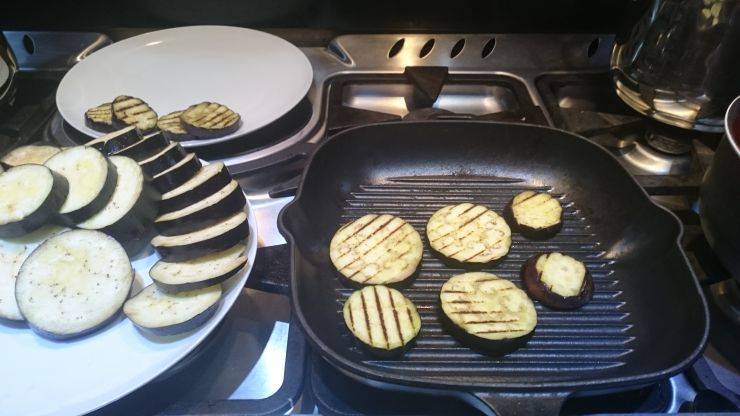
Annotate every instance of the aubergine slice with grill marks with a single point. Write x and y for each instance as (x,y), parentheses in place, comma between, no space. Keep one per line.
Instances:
(132,111)
(209,120)
(30,196)
(534,215)
(382,318)
(100,118)
(469,235)
(222,204)
(487,313)
(92,180)
(130,212)
(31,153)
(177,174)
(376,249)
(217,237)
(149,145)
(557,281)
(116,141)
(205,182)
(171,126)
(13,252)
(163,160)
(85,294)
(199,272)
(158,312)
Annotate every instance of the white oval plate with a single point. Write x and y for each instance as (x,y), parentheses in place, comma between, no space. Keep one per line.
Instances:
(43,377)
(258,75)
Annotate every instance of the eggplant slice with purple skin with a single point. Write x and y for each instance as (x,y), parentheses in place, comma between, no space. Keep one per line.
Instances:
(486,312)
(199,272)
(115,141)
(206,181)
(165,159)
(30,196)
(557,281)
(100,118)
(209,120)
(171,126)
(383,319)
(161,313)
(132,111)
(149,145)
(178,173)
(534,215)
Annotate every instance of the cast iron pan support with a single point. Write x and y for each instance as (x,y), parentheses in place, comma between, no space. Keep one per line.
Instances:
(531,403)
(427,82)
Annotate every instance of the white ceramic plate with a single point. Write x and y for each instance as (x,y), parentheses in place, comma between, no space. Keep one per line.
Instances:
(43,377)
(258,75)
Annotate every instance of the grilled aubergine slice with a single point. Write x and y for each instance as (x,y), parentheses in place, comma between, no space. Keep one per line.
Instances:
(100,118)
(383,319)
(224,203)
(115,141)
(209,120)
(145,148)
(73,284)
(129,214)
(376,250)
(205,182)
(171,126)
(31,153)
(132,111)
(92,179)
(487,313)
(158,312)
(534,215)
(218,237)
(557,281)
(30,196)
(13,252)
(178,173)
(199,272)
(469,235)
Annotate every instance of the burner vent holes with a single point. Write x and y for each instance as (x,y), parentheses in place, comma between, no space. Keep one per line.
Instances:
(28,44)
(488,48)
(592,48)
(396,48)
(426,48)
(459,45)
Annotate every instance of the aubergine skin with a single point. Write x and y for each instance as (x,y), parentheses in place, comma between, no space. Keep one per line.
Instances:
(202,248)
(529,232)
(145,148)
(400,285)
(74,336)
(196,194)
(171,180)
(539,291)
(384,353)
(48,210)
(211,215)
(185,287)
(189,325)
(164,161)
(100,201)
(101,127)
(482,345)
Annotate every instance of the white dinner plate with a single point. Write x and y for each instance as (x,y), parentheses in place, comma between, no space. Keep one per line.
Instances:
(258,75)
(43,377)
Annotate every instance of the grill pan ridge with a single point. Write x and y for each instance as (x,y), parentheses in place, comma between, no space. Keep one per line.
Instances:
(647,320)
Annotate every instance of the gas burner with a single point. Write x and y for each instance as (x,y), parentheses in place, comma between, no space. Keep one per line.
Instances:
(726,295)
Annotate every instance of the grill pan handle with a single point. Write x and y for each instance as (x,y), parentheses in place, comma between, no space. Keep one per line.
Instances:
(505,404)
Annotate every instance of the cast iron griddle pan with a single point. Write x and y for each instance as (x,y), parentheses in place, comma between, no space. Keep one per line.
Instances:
(648,319)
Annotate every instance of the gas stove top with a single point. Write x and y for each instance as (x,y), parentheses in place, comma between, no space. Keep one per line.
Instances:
(560,80)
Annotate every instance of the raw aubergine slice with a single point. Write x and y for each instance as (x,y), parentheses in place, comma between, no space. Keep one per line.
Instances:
(130,212)
(92,180)
(205,182)
(31,153)
(209,120)
(163,160)
(217,237)
(199,272)
(171,126)
(146,147)
(116,141)
(469,234)
(178,173)
(557,281)
(224,203)
(376,249)
(534,215)
(100,118)
(30,196)
(132,111)
(13,252)
(382,318)
(73,284)
(161,313)
(487,313)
